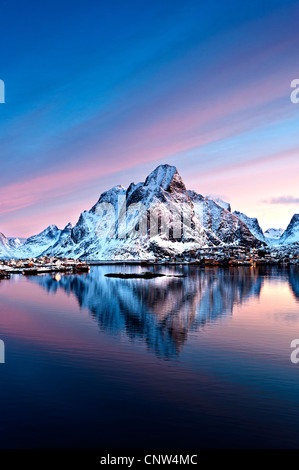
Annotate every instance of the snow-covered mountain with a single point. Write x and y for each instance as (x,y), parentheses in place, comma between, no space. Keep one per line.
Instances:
(274,233)
(155,218)
(218,220)
(253,224)
(221,203)
(291,235)
(9,244)
(137,230)
(37,244)
(273,236)
(191,222)
(5,246)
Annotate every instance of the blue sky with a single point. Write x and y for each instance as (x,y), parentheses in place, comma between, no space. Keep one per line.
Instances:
(99,93)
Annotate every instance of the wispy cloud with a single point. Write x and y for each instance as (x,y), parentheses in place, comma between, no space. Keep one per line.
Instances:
(283,200)
(188,86)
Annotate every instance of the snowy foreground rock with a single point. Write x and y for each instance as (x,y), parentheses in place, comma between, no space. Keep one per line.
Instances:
(158,218)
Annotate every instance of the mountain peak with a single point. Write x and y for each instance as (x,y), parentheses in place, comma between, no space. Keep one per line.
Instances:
(253,225)
(165,177)
(161,176)
(225,205)
(51,229)
(3,239)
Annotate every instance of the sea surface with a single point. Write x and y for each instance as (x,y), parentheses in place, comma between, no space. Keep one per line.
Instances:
(201,361)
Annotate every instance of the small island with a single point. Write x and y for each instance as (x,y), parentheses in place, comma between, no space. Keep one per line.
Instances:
(144,275)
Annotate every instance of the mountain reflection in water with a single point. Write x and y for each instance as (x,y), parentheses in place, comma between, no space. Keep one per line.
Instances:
(162,311)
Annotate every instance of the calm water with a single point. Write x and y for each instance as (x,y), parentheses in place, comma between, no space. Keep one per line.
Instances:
(200,361)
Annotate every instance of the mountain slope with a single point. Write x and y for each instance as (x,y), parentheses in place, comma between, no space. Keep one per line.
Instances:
(5,246)
(291,235)
(229,228)
(8,245)
(38,244)
(253,225)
